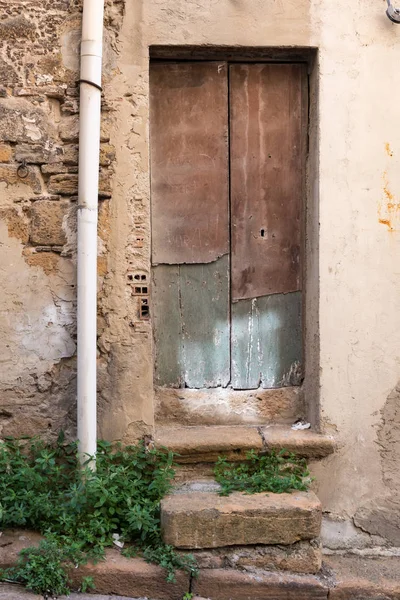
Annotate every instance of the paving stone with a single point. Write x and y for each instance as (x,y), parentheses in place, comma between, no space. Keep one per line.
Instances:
(16,592)
(132,577)
(225,584)
(358,578)
(206,520)
(12,541)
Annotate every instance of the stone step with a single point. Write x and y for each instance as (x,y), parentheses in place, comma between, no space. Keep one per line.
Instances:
(346,577)
(300,557)
(228,584)
(207,520)
(204,444)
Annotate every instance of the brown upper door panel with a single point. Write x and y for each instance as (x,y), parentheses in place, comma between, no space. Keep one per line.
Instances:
(268,103)
(189,162)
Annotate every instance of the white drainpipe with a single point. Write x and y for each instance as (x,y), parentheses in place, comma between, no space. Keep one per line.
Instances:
(89,150)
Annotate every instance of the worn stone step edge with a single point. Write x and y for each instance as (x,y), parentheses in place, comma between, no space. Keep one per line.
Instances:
(342,578)
(207,520)
(204,444)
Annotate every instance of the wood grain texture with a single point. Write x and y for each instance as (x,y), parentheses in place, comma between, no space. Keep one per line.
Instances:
(167,326)
(189,162)
(266,178)
(192,324)
(267,347)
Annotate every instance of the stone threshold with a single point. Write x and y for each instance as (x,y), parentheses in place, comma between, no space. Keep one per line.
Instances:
(204,444)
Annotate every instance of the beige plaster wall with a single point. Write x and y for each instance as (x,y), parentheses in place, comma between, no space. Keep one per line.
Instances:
(354,180)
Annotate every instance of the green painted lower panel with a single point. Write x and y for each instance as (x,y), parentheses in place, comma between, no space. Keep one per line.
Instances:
(167,325)
(190,308)
(267,346)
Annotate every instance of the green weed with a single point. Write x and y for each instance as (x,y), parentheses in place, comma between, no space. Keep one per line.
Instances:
(43,487)
(276,472)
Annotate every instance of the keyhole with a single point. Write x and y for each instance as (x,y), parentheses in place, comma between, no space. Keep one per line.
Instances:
(262,232)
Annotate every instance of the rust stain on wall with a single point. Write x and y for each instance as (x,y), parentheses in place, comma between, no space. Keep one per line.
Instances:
(389,151)
(389,210)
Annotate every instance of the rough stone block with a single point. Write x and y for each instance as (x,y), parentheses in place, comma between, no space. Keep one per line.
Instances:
(20,122)
(69,129)
(46,222)
(37,153)
(107,154)
(5,153)
(54,169)
(206,520)
(70,154)
(226,584)
(132,577)
(67,184)
(64,184)
(9,174)
(301,557)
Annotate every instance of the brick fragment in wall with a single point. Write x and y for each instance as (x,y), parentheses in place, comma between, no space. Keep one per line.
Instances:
(20,121)
(46,222)
(8,174)
(5,153)
(69,129)
(67,185)
(38,153)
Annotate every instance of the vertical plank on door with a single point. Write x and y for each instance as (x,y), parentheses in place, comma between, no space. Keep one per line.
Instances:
(205,323)
(189,162)
(267,342)
(190,223)
(266,178)
(167,325)
(267,156)
(191,324)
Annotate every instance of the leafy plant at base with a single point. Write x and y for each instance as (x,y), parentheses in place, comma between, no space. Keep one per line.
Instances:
(43,487)
(44,569)
(276,472)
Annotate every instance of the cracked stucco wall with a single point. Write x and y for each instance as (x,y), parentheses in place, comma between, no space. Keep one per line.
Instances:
(355,183)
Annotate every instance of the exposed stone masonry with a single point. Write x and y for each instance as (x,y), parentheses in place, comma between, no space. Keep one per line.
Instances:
(39,128)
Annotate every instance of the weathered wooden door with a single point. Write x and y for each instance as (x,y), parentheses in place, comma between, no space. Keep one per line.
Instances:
(227,156)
